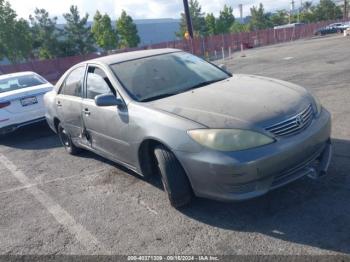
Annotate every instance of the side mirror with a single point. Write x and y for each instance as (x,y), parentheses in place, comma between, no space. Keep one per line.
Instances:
(223,67)
(108,100)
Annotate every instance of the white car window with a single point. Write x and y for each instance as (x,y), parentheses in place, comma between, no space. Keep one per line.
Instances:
(19,82)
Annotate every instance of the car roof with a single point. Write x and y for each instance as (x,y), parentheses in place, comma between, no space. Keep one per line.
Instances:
(16,75)
(127,56)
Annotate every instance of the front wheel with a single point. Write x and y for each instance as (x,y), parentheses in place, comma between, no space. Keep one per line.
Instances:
(67,141)
(174,178)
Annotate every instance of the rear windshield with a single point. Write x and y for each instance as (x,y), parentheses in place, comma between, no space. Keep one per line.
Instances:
(19,82)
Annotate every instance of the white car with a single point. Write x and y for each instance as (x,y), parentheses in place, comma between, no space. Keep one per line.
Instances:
(347,32)
(21,100)
(340,26)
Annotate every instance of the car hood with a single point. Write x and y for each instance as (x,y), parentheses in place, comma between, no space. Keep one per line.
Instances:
(241,101)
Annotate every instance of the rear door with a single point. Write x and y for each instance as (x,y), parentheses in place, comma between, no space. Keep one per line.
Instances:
(69,102)
(106,127)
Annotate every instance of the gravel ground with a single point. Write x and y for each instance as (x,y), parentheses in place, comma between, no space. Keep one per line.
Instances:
(54,203)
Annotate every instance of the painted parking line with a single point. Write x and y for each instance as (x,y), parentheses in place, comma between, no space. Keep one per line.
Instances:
(41,183)
(89,241)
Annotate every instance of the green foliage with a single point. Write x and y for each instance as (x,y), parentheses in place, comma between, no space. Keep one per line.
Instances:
(7,21)
(198,20)
(210,22)
(259,19)
(105,36)
(327,10)
(45,34)
(22,42)
(78,36)
(15,36)
(307,14)
(279,18)
(307,7)
(127,31)
(239,28)
(226,20)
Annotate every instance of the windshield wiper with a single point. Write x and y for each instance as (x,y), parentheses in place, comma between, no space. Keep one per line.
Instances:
(206,83)
(148,99)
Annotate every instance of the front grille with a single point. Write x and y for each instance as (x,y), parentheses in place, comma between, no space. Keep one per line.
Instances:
(297,171)
(294,124)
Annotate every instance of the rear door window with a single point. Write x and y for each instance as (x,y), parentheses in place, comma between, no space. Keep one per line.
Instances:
(73,84)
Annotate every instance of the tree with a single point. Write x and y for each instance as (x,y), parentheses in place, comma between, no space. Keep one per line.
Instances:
(7,21)
(78,36)
(308,16)
(15,36)
(226,20)
(327,10)
(45,34)
(105,36)
(22,42)
(127,31)
(210,22)
(238,28)
(198,20)
(279,18)
(259,19)
(306,7)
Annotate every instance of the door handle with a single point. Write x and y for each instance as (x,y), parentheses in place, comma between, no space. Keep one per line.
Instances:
(58,104)
(86,112)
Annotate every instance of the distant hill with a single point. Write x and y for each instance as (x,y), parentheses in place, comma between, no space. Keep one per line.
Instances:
(152,31)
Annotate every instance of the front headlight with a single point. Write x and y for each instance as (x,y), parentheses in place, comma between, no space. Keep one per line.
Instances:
(229,139)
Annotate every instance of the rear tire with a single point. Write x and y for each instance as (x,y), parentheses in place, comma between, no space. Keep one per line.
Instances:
(66,140)
(174,178)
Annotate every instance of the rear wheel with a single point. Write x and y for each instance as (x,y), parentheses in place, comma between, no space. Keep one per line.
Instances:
(67,141)
(174,178)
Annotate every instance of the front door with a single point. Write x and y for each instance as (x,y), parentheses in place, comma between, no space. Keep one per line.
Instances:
(106,127)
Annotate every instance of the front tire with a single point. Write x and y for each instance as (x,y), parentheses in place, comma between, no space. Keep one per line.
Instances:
(174,178)
(67,141)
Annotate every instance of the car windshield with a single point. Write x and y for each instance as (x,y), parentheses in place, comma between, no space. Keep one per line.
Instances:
(19,82)
(156,77)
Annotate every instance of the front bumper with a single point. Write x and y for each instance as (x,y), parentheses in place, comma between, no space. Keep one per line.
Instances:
(230,176)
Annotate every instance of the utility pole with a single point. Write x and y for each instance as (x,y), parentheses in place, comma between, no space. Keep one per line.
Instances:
(346,12)
(291,11)
(300,10)
(188,18)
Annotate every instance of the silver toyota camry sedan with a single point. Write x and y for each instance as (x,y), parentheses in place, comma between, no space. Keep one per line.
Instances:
(208,133)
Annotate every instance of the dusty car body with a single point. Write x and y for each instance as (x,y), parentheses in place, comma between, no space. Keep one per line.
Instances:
(233,138)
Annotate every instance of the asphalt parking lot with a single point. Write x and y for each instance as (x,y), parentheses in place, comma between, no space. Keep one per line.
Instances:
(54,203)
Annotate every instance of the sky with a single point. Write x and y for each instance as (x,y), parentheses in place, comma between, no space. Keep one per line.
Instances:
(138,9)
